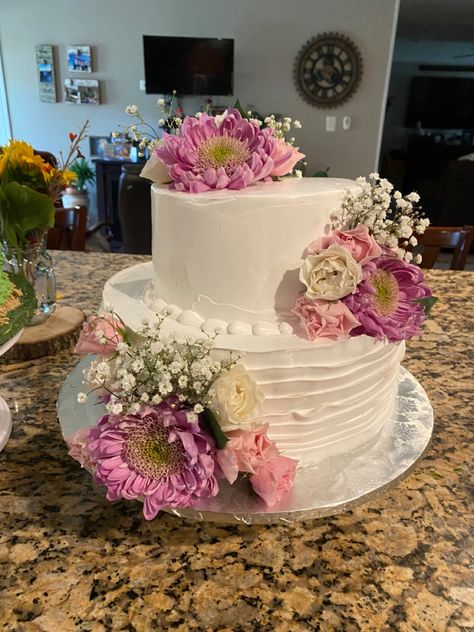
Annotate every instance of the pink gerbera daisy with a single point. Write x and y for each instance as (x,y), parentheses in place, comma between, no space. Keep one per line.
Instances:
(155,455)
(386,303)
(227,152)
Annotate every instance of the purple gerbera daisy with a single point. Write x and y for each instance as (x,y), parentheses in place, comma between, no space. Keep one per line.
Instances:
(386,302)
(155,455)
(226,152)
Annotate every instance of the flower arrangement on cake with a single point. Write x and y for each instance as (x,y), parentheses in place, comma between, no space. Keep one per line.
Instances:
(358,277)
(178,419)
(228,151)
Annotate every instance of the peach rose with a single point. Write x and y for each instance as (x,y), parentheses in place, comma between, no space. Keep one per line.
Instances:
(78,444)
(325,319)
(274,479)
(99,334)
(246,451)
(362,246)
(285,157)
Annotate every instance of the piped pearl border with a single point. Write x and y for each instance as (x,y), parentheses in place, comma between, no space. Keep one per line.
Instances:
(190,318)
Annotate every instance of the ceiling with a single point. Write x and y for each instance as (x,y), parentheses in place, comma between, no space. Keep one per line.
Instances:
(436,20)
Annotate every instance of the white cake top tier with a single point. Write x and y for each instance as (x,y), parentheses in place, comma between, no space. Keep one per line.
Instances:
(235,255)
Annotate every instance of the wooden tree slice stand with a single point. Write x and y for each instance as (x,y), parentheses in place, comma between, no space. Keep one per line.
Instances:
(58,333)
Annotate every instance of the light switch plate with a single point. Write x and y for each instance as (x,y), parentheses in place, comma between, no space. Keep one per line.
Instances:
(331,123)
(142,85)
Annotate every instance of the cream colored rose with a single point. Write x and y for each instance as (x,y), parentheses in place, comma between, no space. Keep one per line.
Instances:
(330,274)
(237,399)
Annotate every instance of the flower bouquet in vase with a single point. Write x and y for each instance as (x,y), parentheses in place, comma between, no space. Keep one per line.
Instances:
(30,186)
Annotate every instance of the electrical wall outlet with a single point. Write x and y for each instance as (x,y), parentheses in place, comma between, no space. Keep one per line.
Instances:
(142,85)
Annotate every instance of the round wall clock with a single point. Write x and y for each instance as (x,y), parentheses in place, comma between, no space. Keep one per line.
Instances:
(328,70)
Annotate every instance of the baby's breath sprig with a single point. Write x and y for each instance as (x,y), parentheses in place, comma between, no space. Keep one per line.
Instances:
(145,134)
(150,368)
(392,219)
(282,126)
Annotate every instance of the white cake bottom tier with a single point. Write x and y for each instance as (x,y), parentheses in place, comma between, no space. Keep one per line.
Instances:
(322,398)
(321,401)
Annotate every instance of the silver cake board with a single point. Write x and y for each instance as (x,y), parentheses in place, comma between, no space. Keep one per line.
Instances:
(330,487)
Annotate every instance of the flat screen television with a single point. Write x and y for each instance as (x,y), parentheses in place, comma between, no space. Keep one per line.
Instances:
(189,65)
(441,103)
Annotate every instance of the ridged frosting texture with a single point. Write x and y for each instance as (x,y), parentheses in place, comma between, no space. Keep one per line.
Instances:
(321,401)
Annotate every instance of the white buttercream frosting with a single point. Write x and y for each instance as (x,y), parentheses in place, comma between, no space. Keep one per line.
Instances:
(236,255)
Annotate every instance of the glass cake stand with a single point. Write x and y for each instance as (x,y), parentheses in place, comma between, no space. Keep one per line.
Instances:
(5,416)
(330,487)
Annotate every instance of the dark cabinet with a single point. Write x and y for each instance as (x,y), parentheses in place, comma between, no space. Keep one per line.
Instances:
(107,181)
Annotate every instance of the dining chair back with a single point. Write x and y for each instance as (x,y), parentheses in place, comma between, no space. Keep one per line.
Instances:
(70,229)
(47,157)
(456,238)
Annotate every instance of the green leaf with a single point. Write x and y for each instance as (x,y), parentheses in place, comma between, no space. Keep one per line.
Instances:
(22,315)
(435,474)
(238,106)
(322,173)
(210,419)
(427,303)
(24,211)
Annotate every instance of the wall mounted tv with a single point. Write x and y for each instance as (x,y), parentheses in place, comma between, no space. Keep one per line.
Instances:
(189,65)
(441,103)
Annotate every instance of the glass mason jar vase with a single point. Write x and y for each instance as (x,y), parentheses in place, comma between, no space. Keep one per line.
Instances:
(35,264)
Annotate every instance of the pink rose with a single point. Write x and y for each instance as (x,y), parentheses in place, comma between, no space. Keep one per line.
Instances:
(361,245)
(79,448)
(99,334)
(274,479)
(285,157)
(325,319)
(246,451)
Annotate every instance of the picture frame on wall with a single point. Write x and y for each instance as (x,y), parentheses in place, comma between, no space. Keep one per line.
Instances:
(82,91)
(46,73)
(79,58)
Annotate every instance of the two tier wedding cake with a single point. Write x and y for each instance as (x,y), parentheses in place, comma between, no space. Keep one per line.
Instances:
(276,311)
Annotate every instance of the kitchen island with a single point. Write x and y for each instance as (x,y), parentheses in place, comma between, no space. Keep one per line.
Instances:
(70,560)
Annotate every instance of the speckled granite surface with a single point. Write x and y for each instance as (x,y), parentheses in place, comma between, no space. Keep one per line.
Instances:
(69,560)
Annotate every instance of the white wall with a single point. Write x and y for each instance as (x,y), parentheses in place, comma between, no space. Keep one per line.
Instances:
(407,56)
(267,33)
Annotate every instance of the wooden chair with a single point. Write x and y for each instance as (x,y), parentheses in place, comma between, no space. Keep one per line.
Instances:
(70,229)
(456,238)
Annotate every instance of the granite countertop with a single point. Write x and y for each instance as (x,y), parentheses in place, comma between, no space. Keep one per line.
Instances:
(69,560)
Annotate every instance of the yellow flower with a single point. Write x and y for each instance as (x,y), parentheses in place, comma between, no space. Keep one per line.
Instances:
(20,161)
(68,176)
